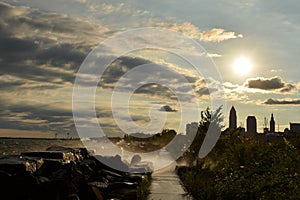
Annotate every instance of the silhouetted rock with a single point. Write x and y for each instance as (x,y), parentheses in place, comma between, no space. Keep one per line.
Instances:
(78,153)
(15,165)
(63,173)
(121,185)
(113,163)
(58,155)
(102,185)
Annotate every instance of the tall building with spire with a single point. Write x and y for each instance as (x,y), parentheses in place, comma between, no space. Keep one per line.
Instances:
(232,118)
(272,124)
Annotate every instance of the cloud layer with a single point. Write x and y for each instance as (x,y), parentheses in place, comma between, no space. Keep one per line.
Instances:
(213,35)
(41,51)
(282,101)
(275,84)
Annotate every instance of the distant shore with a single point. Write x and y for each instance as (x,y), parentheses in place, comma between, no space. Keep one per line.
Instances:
(34,138)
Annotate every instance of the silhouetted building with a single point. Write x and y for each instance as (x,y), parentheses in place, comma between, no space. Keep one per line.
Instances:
(272,124)
(232,118)
(251,125)
(295,127)
(265,130)
(191,130)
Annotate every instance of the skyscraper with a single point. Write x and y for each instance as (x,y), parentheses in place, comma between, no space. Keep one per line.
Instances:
(232,118)
(295,127)
(272,124)
(251,125)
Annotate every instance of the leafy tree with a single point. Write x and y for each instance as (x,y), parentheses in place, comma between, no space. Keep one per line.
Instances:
(246,167)
(209,119)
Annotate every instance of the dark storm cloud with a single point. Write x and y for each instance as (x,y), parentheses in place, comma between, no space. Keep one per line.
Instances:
(24,58)
(170,86)
(46,112)
(282,101)
(13,83)
(33,117)
(38,24)
(40,117)
(119,67)
(156,90)
(9,82)
(14,48)
(124,64)
(41,74)
(167,108)
(43,46)
(61,54)
(271,84)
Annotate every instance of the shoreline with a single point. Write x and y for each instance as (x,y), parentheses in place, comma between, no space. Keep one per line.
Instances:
(33,138)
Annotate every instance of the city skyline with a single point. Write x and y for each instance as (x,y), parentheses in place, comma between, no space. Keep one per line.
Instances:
(269,123)
(43,45)
(251,126)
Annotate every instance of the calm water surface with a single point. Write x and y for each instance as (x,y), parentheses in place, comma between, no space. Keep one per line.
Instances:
(15,146)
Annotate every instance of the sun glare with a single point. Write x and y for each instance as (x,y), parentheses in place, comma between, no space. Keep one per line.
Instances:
(242,65)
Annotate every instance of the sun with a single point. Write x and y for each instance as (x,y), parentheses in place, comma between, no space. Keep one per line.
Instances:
(242,65)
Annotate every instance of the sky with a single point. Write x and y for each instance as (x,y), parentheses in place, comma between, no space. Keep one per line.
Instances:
(43,45)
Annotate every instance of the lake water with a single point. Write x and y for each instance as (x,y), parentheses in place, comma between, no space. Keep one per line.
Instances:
(15,146)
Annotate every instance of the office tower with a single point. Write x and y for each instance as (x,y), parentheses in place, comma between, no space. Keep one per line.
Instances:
(251,125)
(265,130)
(232,118)
(272,124)
(295,127)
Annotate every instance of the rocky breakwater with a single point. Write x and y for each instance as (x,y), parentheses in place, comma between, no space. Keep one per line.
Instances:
(71,174)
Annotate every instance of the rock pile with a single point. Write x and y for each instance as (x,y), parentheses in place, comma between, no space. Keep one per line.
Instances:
(64,173)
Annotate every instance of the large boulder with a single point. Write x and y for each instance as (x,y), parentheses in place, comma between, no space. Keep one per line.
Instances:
(67,157)
(15,165)
(79,153)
